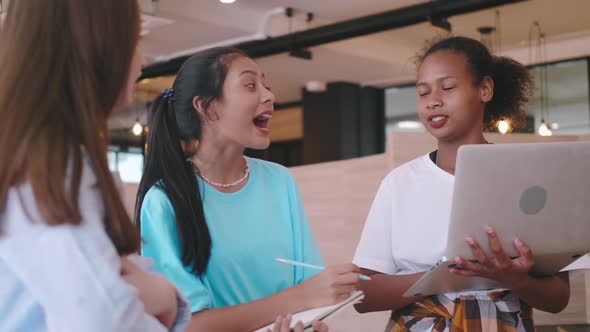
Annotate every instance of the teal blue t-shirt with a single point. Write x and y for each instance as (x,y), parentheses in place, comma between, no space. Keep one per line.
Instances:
(249,230)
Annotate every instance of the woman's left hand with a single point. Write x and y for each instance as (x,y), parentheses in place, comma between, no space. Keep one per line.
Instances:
(282,324)
(497,265)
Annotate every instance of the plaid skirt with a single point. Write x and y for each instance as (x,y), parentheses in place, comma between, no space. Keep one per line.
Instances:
(493,312)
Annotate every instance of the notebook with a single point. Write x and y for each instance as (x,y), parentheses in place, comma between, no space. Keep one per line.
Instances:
(319,314)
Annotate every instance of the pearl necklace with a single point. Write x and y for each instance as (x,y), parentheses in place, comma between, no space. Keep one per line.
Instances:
(227,185)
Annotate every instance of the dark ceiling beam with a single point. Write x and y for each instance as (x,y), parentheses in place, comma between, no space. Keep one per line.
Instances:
(389,20)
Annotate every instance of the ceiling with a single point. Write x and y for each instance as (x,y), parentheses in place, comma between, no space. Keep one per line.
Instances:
(181,27)
(199,23)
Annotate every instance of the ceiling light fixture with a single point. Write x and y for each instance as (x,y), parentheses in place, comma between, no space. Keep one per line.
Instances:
(298,52)
(485,36)
(137,128)
(441,24)
(301,53)
(227,1)
(541,49)
(504,127)
(544,129)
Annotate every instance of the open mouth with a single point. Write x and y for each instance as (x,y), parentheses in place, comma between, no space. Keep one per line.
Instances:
(438,118)
(437,121)
(262,120)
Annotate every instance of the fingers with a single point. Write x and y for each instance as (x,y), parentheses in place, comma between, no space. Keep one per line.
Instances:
(127,266)
(526,259)
(499,255)
(477,251)
(339,293)
(282,324)
(319,326)
(298,327)
(341,297)
(498,265)
(348,278)
(468,268)
(346,289)
(344,274)
(464,272)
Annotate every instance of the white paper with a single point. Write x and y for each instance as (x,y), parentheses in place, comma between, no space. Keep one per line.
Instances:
(579,264)
(308,316)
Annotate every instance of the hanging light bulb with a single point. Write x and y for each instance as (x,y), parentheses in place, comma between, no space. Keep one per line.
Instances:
(544,129)
(137,128)
(503,126)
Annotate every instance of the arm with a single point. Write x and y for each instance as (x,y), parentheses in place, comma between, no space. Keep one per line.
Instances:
(549,294)
(248,316)
(385,292)
(331,286)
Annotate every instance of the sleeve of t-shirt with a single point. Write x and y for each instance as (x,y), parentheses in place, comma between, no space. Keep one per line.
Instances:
(160,241)
(374,250)
(306,248)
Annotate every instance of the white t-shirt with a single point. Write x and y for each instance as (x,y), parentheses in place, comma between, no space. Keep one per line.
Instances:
(406,230)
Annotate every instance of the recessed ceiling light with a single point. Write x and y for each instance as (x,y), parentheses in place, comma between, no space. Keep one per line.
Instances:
(227,1)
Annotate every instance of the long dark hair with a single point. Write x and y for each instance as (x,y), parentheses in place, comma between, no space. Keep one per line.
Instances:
(513,84)
(63,65)
(173,118)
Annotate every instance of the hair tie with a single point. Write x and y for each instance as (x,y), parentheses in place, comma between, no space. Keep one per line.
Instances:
(168,95)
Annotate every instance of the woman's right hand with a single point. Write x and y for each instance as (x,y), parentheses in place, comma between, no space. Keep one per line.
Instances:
(334,284)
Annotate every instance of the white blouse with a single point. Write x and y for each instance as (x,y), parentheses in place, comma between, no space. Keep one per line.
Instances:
(66,277)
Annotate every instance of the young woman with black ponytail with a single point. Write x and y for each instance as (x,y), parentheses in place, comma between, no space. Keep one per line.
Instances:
(214,220)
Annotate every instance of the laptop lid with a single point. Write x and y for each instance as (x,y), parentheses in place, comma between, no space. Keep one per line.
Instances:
(539,192)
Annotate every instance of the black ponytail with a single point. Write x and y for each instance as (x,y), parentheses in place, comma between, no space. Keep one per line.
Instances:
(173,118)
(513,83)
(166,167)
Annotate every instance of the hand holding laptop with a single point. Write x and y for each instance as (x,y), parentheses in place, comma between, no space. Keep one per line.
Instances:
(542,200)
(496,265)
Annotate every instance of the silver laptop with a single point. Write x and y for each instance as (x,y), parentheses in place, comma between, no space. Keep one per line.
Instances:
(539,192)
